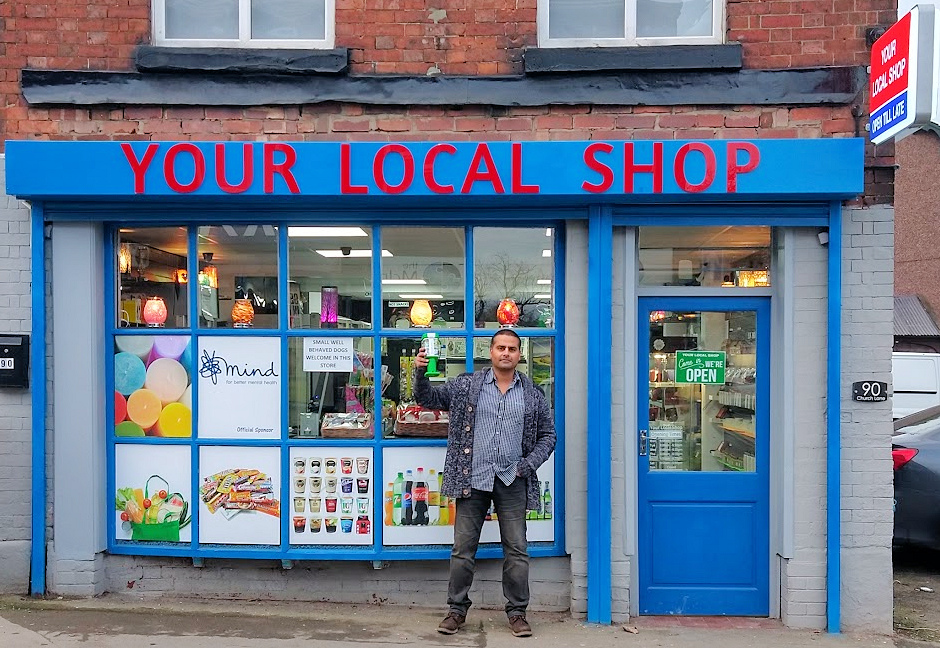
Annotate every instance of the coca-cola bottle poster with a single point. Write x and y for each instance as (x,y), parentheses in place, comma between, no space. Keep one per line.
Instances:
(414,510)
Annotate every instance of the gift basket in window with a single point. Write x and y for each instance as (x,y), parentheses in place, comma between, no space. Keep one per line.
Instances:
(347,425)
(415,421)
(154,515)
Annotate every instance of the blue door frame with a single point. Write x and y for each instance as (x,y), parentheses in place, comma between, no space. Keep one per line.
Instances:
(703,544)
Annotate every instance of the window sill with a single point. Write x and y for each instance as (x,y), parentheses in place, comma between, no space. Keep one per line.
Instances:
(232,60)
(665,57)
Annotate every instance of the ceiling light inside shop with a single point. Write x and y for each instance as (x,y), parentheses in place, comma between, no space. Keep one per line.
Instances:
(358,254)
(268,230)
(404,282)
(548,231)
(230,230)
(543,296)
(544,282)
(323,232)
(421,296)
(546,253)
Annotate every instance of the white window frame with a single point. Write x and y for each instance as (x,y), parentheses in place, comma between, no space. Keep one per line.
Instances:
(631,39)
(244,39)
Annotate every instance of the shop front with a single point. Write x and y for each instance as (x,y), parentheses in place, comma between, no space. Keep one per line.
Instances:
(235,326)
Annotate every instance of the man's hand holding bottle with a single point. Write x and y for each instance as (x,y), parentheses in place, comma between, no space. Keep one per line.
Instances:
(421,359)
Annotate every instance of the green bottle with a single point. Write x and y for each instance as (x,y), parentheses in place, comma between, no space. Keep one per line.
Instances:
(547,503)
(396,499)
(432,346)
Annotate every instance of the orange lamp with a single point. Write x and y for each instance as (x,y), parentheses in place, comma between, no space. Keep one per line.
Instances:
(242,313)
(155,312)
(507,313)
(421,314)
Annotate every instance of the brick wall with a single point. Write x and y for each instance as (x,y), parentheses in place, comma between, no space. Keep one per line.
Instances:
(381,123)
(401,583)
(484,37)
(867,475)
(15,404)
(867,489)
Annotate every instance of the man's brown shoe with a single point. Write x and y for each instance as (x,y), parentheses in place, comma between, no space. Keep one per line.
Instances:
(452,623)
(519,626)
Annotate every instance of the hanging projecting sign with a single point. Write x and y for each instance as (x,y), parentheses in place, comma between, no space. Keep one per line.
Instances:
(701,367)
(239,387)
(902,76)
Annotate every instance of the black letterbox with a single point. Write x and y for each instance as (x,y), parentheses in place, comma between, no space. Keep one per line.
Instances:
(14,361)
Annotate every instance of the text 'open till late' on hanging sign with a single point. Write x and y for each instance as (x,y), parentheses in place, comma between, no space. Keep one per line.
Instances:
(701,367)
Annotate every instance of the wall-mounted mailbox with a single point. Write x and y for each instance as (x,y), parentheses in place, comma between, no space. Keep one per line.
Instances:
(14,361)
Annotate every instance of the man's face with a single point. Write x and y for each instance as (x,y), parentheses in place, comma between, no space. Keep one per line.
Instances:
(504,352)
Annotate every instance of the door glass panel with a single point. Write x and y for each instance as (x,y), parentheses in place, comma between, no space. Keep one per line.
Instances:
(702,390)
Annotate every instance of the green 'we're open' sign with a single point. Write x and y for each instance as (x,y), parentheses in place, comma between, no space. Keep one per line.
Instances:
(703,367)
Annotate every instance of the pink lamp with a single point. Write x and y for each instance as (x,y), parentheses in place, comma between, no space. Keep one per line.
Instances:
(155,312)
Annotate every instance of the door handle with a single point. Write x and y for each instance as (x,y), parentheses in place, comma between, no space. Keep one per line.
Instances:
(644,442)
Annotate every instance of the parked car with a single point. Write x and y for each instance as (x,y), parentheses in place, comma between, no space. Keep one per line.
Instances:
(915,448)
(916,378)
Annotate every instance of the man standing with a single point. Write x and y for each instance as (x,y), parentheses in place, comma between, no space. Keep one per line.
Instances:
(501,430)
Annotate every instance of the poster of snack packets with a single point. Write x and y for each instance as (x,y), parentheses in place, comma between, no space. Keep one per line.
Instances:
(239,387)
(414,511)
(239,495)
(153,492)
(152,386)
(331,491)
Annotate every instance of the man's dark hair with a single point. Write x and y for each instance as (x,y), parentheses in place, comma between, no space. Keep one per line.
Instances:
(505,332)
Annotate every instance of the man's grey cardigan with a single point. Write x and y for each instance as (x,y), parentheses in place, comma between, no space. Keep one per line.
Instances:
(459,396)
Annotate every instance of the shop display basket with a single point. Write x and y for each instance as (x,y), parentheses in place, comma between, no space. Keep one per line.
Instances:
(432,429)
(347,426)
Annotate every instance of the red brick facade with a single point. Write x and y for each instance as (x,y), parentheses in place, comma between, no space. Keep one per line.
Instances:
(456,37)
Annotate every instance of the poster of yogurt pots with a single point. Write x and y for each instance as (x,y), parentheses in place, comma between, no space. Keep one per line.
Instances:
(153,386)
(239,495)
(416,511)
(152,493)
(239,383)
(331,495)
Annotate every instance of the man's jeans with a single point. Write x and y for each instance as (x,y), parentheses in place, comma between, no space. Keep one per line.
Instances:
(509,503)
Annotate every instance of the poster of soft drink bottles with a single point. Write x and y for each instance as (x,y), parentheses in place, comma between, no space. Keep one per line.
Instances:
(331,501)
(414,511)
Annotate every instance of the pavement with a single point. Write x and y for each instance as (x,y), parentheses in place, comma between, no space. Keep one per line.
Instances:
(127,622)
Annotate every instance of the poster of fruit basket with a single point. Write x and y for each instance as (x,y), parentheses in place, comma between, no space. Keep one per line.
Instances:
(153,493)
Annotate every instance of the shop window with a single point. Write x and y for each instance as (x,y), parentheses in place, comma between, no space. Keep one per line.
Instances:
(332,387)
(238,280)
(330,277)
(403,418)
(244,23)
(573,23)
(423,277)
(288,431)
(150,264)
(537,361)
(717,257)
(513,277)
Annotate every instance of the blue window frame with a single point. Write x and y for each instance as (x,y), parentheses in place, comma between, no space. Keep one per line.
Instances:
(469,330)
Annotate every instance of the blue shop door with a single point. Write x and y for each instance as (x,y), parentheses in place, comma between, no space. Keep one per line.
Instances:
(703,456)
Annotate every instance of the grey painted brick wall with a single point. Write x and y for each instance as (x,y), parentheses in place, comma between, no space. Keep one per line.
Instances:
(803,579)
(15,404)
(867,490)
(576,306)
(422,583)
(867,469)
